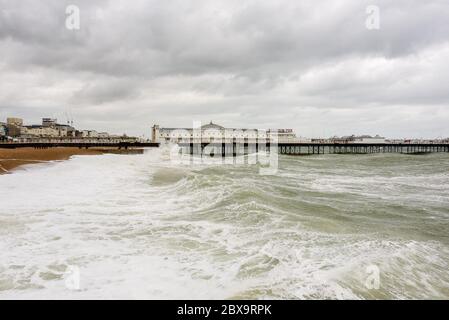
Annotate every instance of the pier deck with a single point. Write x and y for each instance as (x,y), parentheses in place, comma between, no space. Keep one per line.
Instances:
(312,148)
(234,149)
(86,145)
(359,148)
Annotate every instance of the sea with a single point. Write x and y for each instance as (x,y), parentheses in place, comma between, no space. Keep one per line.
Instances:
(143,226)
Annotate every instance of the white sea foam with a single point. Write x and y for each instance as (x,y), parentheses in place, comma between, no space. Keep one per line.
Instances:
(139,226)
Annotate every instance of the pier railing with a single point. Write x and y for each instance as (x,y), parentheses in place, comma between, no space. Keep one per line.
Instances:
(305,148)
(78,144)
(361,148)
(238,148)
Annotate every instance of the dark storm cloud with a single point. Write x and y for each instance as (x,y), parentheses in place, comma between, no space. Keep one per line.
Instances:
(242,63)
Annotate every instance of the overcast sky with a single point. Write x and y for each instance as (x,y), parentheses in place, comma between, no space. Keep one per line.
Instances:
(312,66)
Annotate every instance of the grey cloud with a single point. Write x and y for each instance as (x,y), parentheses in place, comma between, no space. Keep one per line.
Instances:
(252,63)
(99,92)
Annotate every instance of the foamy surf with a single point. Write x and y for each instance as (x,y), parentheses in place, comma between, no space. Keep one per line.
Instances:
(140,226)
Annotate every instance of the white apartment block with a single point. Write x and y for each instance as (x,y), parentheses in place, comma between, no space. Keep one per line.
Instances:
(90,134)
(40,131)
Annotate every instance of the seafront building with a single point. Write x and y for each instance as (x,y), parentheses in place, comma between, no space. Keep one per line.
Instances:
(359,139)
(48,128)
(15,130)
(13,126)
(212,132)
(14,122)
(49,122)
(3,130)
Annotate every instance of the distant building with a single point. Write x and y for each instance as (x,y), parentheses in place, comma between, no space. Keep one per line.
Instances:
(65,130)
(93,134)
(358,139)
(89,134)
(13,126)
(212,132)
(369,139)
(51,129)
(18,122)
(49,122)
(3,130)
(284,135)
(40,131)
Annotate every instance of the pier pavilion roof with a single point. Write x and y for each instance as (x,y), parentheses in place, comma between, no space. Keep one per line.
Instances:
(212,125)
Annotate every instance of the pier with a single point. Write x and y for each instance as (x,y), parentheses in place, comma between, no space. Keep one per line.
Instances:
(234,149)
(358,148)
(81,145)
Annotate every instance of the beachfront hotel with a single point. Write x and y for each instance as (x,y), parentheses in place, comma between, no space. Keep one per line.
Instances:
(211,132)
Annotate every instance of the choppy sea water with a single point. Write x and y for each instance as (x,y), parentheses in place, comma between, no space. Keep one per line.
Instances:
(139,226)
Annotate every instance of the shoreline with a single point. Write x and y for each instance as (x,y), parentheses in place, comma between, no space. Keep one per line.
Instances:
(12,159)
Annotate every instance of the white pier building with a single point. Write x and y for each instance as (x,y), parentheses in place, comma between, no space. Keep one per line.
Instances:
(214,133)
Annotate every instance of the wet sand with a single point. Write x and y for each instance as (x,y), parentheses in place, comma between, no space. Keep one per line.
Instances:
(11,159)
